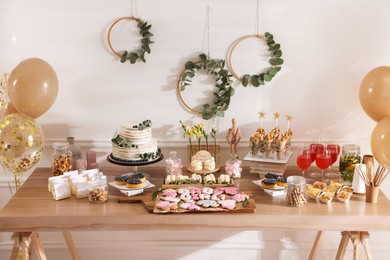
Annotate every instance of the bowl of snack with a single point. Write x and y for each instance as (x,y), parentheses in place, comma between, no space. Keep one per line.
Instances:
(326,197)
(344,196)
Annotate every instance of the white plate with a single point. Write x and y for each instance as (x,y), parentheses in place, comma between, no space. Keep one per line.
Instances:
(258,183)
(285,159)
(144,185)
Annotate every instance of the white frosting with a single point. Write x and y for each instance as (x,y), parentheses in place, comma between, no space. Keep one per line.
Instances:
(141,141)
(196,165)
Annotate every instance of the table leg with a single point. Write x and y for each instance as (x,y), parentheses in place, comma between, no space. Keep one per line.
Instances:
(355,238)
(37,246)
(364,235)
(316,245)
(72,248)
(343,245)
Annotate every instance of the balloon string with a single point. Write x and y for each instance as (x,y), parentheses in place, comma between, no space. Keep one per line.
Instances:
(257,17)
(208,31)
(9,185)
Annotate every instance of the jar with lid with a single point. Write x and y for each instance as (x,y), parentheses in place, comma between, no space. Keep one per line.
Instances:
(76,151)
(296,192)
(349,157)
(173,165)
(98,190)
(61,159)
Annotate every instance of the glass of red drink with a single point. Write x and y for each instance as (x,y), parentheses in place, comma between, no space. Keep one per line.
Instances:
(334,150)
(323,160)
(304,159)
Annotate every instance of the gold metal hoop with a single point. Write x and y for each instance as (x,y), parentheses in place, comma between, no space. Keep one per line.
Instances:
(182,102)
(109,33)
(233,46)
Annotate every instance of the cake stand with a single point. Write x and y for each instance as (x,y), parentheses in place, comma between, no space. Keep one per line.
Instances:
(134,164)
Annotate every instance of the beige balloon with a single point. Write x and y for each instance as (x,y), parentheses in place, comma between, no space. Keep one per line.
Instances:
(374,93)
(380,142)
(33,87)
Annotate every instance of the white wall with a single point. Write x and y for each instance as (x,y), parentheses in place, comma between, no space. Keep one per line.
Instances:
(328,47)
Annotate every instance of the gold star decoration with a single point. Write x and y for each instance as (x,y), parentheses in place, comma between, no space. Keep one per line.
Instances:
(289,117)
(276,115)
(262,114)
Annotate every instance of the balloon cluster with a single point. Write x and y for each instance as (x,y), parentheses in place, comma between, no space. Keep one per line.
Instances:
(375,99)
(28,92)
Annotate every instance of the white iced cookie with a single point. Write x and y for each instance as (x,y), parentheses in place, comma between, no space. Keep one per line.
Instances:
(171,199)
(208,203)
(183,190)
(207,190)
(196,165)
(228,204)
(209,165)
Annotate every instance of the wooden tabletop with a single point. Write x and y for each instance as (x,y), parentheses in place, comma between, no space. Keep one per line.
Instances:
(33,209)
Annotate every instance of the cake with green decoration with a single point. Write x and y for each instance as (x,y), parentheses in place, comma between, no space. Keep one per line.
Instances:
(134,143)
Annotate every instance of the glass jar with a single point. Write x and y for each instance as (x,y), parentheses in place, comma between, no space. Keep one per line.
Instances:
(349,157)
(76,151)
(173,165)
(296,192)
(98,190)
(61,159)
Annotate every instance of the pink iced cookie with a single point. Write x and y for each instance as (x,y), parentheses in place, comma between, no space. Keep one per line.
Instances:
(195,196)
(164,205)
(195,191)
(231,190)
(169,193)
(171,199)
(218,191)
(240,197)
(228,204)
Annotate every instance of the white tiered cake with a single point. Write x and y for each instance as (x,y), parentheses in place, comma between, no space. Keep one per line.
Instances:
(134,142)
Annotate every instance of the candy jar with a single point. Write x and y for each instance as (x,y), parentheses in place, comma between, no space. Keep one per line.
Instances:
(296,192)
(61,159)
(233,167)
(76,151)
(173,165)
(98,190)
(349,157)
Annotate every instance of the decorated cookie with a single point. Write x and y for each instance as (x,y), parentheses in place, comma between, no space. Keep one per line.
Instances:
(189,206)
(183,190)
(195,191)
(228,204)
(207,190)
(230,190)
(164,205)
(169,193)
(218,191)
(195,196)
(186,196)
(204,196)
(240,197)
(171,199)
(208,203)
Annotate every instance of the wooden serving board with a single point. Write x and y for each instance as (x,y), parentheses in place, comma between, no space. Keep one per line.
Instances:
(149,204)
(199,185)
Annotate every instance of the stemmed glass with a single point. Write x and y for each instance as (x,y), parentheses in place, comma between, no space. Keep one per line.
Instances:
(323,160)
(334,150)
(304,160)
(314,148)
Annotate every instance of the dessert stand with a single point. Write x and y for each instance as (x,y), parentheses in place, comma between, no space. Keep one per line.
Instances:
(134,164)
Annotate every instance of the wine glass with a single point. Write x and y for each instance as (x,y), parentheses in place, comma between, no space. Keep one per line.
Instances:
(304,160)
(334,150)
(314,148)
(323,160)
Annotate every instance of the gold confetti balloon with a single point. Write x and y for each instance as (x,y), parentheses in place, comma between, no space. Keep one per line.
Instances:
(21,140)
(4,99)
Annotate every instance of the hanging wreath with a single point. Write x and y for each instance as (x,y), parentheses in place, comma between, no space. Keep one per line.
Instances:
(222,94)
(275,61)
(133,56)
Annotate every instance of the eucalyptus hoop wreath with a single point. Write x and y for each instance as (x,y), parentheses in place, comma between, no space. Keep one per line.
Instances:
(139,54)
(223,83)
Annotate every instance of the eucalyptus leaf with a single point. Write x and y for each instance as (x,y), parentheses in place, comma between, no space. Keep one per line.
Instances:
(272,71)
(245,80)
(255,81)
(274,47)
(190,65)
(220,113)
(279,61)
(267,77)
(277,53)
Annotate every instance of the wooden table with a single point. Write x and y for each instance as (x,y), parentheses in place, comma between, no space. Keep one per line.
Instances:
(32,209)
